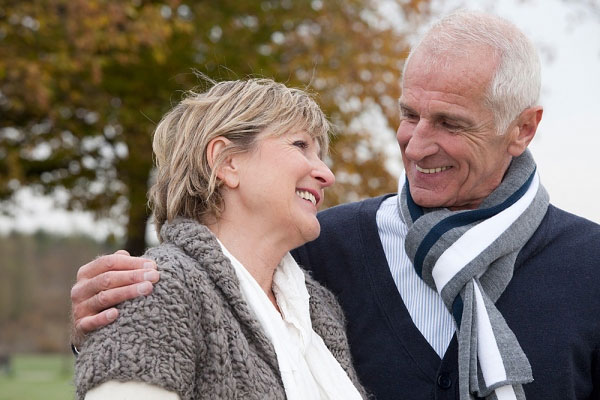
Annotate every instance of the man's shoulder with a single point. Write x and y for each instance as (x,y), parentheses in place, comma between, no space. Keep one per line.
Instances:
(345,227)
(563,235)
(345,211)
(569,226)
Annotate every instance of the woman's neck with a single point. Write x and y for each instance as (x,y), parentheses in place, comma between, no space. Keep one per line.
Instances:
(259,252)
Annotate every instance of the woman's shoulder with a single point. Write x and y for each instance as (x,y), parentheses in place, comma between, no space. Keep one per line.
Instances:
(173,261)
(189,250)
(155,337)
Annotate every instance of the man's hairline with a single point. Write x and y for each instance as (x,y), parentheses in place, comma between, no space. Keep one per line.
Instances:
(423,46)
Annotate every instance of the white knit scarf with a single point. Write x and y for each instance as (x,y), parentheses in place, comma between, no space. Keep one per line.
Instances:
(308,369)
(468,257)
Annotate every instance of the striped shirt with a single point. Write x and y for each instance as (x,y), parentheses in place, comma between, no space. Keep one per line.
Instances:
(424,304)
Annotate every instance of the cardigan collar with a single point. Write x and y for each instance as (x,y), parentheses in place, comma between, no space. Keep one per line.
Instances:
(200,243)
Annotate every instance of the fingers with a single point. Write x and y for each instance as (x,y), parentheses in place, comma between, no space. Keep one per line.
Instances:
(100,285)
(94,313)
(101,301)
(88,324)
(120,261)
(104,283)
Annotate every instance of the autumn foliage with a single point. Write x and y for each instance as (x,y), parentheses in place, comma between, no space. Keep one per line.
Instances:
(84,82)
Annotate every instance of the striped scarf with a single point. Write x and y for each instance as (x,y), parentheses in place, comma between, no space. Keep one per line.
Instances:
(468,258)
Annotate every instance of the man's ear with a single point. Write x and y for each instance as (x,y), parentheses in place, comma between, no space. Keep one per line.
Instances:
(227,171)
(524,130)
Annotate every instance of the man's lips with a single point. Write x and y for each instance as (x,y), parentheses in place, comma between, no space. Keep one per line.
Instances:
(432,170)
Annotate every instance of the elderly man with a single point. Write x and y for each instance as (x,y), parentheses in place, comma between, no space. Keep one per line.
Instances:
(467,283)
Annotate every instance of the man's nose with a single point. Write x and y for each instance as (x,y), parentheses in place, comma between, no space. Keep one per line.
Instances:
(419,142)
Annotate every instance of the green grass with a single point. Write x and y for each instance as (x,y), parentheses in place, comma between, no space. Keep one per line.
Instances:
(37,377)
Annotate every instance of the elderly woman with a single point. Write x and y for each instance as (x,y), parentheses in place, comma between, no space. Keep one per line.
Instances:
(239,179)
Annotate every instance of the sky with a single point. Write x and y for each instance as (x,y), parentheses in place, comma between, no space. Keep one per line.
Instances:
(565,147)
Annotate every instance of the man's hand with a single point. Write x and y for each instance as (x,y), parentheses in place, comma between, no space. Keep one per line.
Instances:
(104,283)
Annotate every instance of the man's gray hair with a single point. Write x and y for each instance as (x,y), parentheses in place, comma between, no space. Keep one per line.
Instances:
(516,82)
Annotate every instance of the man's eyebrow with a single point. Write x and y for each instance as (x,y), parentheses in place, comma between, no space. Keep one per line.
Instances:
(452,117)
(404,108)
(440,115)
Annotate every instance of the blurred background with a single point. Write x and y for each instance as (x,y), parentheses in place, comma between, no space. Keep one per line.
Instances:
(84,82)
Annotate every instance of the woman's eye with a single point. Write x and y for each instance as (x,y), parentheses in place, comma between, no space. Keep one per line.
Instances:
(301,144)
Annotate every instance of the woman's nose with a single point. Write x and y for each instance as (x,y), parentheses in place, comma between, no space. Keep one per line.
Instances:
(323,174)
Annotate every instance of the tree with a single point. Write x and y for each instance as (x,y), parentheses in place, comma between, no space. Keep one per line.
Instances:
(84,82)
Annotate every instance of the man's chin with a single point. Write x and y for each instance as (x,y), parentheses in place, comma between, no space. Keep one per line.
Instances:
(428,199)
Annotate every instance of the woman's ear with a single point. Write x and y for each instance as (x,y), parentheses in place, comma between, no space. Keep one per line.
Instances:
(226,170)
(524,131)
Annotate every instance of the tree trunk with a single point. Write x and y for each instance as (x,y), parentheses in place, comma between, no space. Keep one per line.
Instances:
(136,231)
(137,184)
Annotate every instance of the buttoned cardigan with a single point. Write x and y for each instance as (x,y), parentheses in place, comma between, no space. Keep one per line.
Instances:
(552,304)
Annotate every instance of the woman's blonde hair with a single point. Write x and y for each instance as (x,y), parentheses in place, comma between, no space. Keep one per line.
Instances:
(186,185)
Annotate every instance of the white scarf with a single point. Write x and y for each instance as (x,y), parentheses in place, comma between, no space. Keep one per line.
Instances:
(308,369)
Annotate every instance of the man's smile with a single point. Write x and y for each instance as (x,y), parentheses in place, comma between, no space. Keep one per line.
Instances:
(432,170)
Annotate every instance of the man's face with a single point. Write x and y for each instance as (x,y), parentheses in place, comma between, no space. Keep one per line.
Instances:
(452,154)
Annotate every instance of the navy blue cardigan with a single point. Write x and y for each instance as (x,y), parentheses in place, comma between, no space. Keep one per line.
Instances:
(552,304)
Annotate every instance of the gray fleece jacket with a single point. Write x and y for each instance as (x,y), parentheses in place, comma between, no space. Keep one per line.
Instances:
(195,335)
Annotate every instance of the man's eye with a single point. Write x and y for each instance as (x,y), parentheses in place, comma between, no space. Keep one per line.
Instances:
(451,126)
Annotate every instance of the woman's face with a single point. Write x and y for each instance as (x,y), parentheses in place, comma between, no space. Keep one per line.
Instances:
(281,185)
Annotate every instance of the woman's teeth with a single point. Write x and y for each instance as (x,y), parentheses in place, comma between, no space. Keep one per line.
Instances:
(307,196)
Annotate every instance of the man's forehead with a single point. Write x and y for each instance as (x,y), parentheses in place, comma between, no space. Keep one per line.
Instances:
(463,76)
(442,90)
(427,59)
(455,99)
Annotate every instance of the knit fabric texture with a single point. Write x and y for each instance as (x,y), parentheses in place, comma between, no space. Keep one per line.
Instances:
(195,335)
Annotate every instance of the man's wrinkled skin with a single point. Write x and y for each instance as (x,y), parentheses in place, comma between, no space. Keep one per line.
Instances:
(104,283)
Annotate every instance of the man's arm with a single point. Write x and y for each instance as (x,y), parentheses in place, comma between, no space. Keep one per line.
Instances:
(104,283)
